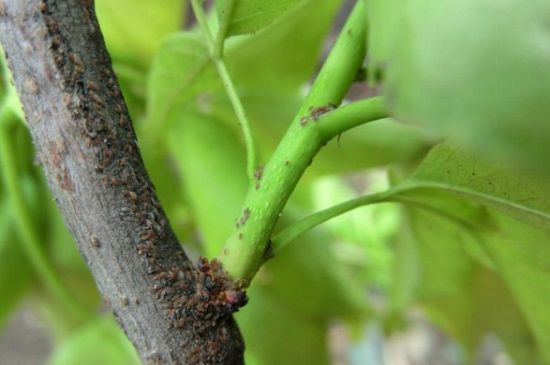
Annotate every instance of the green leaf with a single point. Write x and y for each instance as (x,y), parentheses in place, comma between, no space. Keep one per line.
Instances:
(507,212)
(521,255)
(274,63)
(459,294)
(134,29)
(451,169)
(252,15)
(477,71)
(181,73)
(212,165)
(100,342)
(282,58)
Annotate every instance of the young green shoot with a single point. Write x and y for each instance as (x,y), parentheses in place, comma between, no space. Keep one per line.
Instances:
(250,246)
(229,87)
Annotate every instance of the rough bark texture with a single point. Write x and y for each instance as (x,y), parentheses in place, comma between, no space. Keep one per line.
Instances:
(173,311)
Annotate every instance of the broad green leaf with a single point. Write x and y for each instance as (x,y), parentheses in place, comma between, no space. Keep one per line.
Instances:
(459,294)
(182,74)
(506,211)
(282,58)
(250,16)
(100,342)
(522,256)
(476,70)
(451,169)
(278,59)
(134,29)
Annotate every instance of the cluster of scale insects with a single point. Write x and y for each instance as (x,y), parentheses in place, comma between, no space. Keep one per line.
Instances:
(195,298)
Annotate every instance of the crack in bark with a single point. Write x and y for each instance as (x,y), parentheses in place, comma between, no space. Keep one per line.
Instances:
(173,311)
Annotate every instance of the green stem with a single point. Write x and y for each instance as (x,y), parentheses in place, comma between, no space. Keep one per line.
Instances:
(249,245)
(393,195)
(224,26)
(29,236)
(292,232)
(350,116)
(229,88)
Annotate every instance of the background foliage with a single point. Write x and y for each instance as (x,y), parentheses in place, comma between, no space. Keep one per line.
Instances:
(467,84)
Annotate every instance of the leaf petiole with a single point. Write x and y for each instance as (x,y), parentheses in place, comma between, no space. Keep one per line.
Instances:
(229,88)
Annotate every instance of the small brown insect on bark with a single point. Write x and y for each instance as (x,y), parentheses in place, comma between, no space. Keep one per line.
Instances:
(95,242)
(31,86)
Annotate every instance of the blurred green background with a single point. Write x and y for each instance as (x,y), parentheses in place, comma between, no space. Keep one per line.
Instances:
(458,274)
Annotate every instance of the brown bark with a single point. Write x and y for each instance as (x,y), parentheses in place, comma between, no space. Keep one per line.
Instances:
(173,312)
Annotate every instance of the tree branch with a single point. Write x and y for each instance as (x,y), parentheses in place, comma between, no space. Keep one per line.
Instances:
(173,311)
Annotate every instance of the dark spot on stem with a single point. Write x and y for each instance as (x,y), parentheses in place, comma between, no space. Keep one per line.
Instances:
(268,251)
(258,172)
(244,218)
